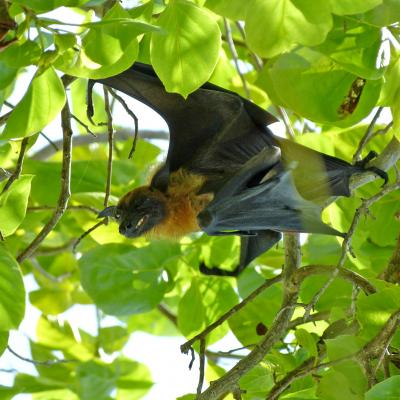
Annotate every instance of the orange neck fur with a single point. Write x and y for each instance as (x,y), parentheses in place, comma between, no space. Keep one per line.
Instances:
(183,205)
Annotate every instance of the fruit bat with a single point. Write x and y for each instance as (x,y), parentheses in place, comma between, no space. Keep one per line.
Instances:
(225,172)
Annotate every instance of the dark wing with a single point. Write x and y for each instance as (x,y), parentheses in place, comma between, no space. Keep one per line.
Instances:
(213,131)
(262,196)
(317,176)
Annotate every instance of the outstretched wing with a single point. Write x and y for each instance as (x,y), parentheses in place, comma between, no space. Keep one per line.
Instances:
(212,131)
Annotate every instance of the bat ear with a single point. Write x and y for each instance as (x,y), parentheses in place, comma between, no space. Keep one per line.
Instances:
(107,212)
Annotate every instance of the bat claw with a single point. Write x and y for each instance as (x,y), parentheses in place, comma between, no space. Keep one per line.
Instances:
(377,171)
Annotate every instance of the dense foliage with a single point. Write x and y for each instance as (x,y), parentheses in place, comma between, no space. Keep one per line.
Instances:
(323,67)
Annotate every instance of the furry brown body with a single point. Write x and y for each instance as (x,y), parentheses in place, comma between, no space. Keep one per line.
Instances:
(181,201)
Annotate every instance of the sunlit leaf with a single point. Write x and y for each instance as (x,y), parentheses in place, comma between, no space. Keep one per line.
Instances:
(388,389)
(125,280)
(205,301)
(185,57)
(12,292)
(107,49)
(346,7)
(274,26)
(13,205)
(40,105)
(300,79)
(3,341)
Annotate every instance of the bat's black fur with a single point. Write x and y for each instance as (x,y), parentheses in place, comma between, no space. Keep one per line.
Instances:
(261,185)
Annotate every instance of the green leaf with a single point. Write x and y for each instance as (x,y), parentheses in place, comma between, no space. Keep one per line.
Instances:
(7,74)
(60,394)
(305,339)
(151,322)
(42,6)
(390,95)
(305,394)
(300,79)
(12,292)
(334,385)
(274,26)
(51,301)
(133,379)
(205,301)
(108,48)
(57,336)
(113,338)
(343,346)
(40,105)
(374,310)
(65,41)
(124,280)
(384,14)
(21,55)
(13,205)
(260,312)
(348,7)
(257,382)
(98,380)
(95,381)
(233,9)
(355,48)
(186,56)
(389,389)
(3,341)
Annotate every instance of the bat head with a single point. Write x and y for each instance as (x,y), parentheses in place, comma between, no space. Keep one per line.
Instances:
(138,211)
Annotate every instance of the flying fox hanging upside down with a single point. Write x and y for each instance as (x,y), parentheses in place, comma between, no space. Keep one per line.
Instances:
(226,173)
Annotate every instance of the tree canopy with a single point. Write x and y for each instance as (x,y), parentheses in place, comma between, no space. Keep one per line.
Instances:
(317,318)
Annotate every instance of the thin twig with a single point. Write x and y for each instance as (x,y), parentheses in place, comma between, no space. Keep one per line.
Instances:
(202,365)
(4,118)
(346,245)
(269,282)
(392,271)
(81,123)
(371,349)
(47,363)
(235,57)
(56,279)
(259,66)
(69,208)
(133,116)
(20,162)
(168,314)
(110,145)
(122,134)
(285,118)
(65,192)
(49,141)
(367,136)
(84,234)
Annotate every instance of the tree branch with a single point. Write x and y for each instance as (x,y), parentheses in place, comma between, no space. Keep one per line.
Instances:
(392,271)
(228,382)
(122,134)
(371,350)
(65,192)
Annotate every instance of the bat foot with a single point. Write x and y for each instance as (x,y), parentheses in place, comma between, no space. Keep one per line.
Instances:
(377,171)
(215,271)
